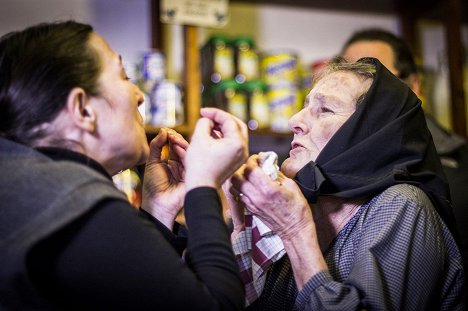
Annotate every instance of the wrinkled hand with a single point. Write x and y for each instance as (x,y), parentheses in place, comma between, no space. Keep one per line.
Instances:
(163,182)
(278,203)
(219,146)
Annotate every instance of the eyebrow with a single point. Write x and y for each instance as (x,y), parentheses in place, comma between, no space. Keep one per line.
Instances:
(329,98)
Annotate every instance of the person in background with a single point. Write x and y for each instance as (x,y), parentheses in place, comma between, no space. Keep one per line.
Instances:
(361,204)
(395,54)
(69,240)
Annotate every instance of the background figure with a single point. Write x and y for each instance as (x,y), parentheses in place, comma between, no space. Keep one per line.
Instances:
(69,240)
(360,206)
(395,54)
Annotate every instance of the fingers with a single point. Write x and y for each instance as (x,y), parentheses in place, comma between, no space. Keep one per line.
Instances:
(157,145)
(229,125)
(178,145)
(168,145)
(203,128)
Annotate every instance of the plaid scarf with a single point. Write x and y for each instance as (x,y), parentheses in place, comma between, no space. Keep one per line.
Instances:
(256,249)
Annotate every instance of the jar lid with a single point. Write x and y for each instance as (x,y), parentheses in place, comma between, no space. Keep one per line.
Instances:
(244,40)
(255,85)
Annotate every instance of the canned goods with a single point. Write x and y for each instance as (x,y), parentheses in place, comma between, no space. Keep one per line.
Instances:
(166,104)
(258,106)
(152,66)
(246,60)
(279,67)
(285,101)
(229,96)
(217,60)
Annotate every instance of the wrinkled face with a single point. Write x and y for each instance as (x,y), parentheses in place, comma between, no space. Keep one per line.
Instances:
(377,49)
(120,127)
(329,104)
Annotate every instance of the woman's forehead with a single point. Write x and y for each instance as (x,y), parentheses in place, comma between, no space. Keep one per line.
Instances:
(103,48)
(336,82)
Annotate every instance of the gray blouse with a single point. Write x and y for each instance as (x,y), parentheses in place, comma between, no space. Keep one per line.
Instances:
(394,254)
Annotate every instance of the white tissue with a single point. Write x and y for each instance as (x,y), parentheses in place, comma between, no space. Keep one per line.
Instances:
(269,163)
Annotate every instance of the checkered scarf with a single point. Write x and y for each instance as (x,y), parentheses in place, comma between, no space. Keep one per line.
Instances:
(256,248)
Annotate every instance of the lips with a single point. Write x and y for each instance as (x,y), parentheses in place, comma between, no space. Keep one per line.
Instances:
(295,145)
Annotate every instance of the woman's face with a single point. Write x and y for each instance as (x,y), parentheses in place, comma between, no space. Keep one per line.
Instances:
(120,127)
(329,104)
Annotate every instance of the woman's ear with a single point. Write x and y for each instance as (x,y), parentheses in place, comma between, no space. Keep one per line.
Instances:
(81,112)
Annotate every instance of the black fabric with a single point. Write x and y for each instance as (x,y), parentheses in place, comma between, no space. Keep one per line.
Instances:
(177,237)
(57,253)
(385,142)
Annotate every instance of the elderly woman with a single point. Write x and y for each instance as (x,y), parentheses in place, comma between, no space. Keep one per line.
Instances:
(68,238)
(361,205)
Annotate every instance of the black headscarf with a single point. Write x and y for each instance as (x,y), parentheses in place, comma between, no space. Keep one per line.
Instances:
(384,142)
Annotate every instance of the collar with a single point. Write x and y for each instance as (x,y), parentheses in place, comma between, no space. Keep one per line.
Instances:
(60,154)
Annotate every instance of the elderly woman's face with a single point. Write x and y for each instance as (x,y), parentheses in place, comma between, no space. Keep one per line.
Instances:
(330,103)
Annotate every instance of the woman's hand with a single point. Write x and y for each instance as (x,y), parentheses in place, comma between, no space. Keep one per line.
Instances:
(219,146)
(282,207)
(163,182)
(278,203)
(236,207)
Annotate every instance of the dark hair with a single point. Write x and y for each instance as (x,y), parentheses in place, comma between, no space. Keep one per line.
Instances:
(403,58)
(39,66)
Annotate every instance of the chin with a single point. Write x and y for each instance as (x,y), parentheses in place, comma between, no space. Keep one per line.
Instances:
(288,168)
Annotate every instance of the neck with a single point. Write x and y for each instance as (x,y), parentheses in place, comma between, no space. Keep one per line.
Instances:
(331,214)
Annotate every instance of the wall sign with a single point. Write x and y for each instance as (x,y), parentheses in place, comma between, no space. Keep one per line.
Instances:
(205,13)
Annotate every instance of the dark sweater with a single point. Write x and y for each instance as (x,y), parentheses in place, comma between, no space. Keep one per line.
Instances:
(85,247)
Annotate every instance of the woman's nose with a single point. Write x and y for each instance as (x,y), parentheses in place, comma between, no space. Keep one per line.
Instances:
(296,124)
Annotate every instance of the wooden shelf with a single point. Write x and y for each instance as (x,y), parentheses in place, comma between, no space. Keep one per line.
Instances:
(452,13)
(429,9)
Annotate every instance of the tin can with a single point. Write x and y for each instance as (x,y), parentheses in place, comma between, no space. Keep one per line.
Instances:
(166,104)
(285,101)
(279,67)
(152,68)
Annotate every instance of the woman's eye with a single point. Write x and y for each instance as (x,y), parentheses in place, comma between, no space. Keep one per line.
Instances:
(326,110)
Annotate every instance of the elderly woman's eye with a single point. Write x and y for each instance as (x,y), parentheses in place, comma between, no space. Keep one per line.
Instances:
(326,110)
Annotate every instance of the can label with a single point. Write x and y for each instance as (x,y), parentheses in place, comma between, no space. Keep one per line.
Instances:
(152,66)
(259,110)
(166,104)
(283,104)
(237,105)
(248,65)
(223,64)
(279,68)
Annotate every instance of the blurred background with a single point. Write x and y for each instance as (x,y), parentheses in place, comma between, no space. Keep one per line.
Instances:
(310,31)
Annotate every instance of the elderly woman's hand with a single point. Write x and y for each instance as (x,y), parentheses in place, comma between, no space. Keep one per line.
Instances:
(163,183)
(278,203)
(219,146)
(236,209)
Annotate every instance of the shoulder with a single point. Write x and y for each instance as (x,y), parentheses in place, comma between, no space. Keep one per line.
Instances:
(405,192)
(400,198)
(400,209)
